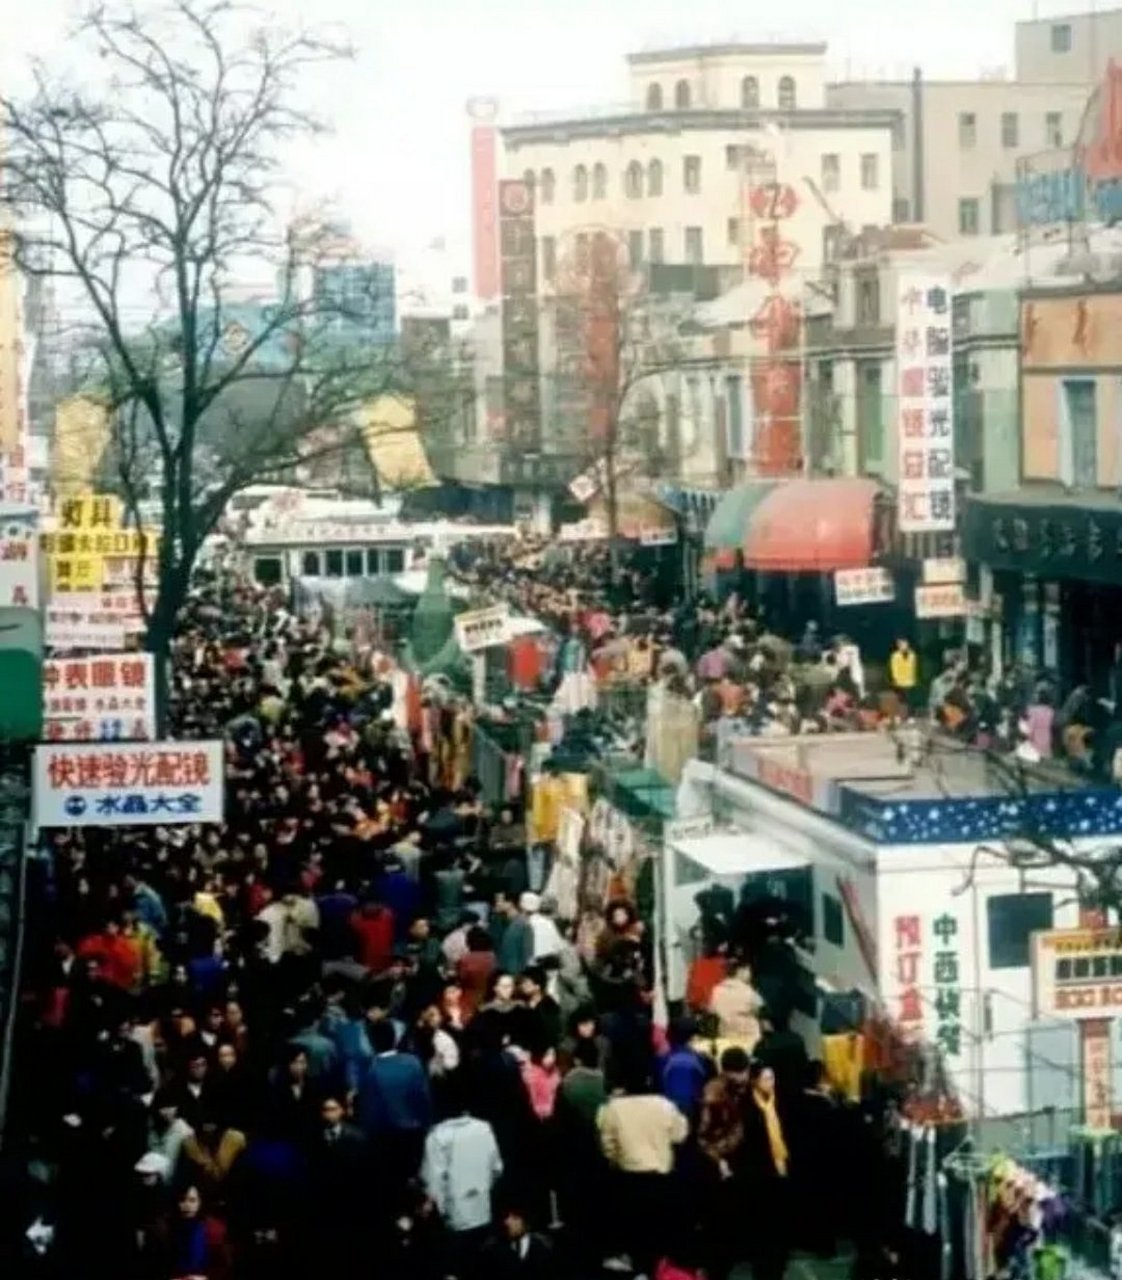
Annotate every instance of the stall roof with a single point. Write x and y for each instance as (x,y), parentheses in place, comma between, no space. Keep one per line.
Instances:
(640,793)
(732,853)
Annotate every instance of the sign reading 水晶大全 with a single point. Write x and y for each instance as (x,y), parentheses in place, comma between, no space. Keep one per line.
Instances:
(136,784)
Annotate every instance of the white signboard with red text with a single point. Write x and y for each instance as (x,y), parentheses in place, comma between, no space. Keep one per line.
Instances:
(925,403)
(19,558)
(127,785)
(109,699)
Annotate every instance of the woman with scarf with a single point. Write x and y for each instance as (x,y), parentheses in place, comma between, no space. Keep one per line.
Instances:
(766,1164)
(194,1243)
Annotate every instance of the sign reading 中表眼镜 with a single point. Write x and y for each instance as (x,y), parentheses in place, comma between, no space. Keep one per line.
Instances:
(482,628)
(924,384)
(1077,973)
(109,699)
(863,586)
(117,785)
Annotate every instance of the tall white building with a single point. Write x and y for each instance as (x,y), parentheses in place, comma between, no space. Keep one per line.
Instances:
(670,169)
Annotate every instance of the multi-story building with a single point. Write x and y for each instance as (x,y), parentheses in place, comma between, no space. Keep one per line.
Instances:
(670,169)
(353,290)
(957,149)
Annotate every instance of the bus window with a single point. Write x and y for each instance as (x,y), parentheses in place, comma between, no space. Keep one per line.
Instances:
(354,563)
(333,563)
(395,560)
(267,570)
(310,565)
(373,562)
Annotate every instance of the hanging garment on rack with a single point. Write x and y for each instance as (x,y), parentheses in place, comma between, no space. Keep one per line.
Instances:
(911,1201)
(946,1250)
(929,1222)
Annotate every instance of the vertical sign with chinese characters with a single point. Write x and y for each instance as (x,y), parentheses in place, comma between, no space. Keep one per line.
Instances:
(778,323)
(908,932)
(947,982)
(925,403)
(518,271)
(19,559)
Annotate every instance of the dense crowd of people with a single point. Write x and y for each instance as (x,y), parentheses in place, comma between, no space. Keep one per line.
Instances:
(339,1031)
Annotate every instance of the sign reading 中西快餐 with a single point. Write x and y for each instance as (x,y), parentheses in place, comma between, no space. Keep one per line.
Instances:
(481,628)
(925,385)
(947,980)
(138,784)
(108,699)
(863,586)
(1077,973)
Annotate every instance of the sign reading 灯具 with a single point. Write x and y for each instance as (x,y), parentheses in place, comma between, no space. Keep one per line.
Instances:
(115,785)
(863,586)
(1077,973)
(482,628)
(925,381)
(946,601)
(110,699)
(19,559)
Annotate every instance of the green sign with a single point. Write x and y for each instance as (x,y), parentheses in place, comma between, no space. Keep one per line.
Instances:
(21,675)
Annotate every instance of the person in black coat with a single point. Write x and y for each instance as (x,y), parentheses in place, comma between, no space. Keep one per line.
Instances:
(514,1252)
(336,1220)
(765,1167)
(816,1129)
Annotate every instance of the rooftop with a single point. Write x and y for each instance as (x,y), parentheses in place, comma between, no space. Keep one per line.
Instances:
(730,49)
(952,794)
(609,119)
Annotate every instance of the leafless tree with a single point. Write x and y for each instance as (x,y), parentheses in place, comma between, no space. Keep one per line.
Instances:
(611,341)
(155,190)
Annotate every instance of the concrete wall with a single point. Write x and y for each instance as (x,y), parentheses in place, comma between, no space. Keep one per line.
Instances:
(1044,55)
(715,79)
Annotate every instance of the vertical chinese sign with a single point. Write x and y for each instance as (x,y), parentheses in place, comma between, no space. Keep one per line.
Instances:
(948,991)
(484,184)
(518,262)
(13,428)
(777,374)
(908,932)
(925,404)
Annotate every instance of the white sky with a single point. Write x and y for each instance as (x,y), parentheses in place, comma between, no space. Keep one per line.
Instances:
(398,162)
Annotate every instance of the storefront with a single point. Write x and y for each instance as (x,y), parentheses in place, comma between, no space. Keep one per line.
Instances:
(1056,566)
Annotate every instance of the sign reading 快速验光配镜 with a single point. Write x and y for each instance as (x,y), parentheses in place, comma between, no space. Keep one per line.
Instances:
(925,386)
(136,784)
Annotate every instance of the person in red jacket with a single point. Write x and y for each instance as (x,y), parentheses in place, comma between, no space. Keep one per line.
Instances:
(120,957)
(373,928)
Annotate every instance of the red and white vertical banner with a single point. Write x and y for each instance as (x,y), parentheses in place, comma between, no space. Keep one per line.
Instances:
(484,198)
(1095,1051)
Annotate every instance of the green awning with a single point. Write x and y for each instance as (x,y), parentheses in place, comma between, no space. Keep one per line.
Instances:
(729,521)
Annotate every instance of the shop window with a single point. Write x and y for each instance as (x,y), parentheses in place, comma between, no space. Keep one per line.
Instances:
(267,570)
(1012,919)
(354,563)
(395,560)
(333,563)
(833,920)
(373,562)
(310,564)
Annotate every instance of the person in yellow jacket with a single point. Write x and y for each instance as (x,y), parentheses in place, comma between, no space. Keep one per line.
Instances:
(903,670)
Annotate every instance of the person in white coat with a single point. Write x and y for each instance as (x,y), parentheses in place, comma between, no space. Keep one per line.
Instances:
(461,1166)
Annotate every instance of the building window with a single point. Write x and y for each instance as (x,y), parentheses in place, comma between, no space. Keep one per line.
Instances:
(530,178)
(831,171)
(1061,37)
(695,249)
(833,920)
(788,99)
(580,184)
(1010,130)
(309,564)
(682,95)
(459,284)
(1078,415)
(633,180)
(749,93)
(461,311)
(967,130)
(868,300)
(333,563)
(734,232)
(549,258)
(654,245)
(580,251)
(1012,919)
(691,175)
(654,97)
(354,563)
(599,181)
(394,559)
(373,562)
(870,415)
(870,172)
(1053,129)
(901,209)
(968,216)
(545,186)
(654,178)
(635,249)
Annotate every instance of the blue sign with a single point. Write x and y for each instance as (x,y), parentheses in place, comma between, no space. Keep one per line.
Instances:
(1044,198)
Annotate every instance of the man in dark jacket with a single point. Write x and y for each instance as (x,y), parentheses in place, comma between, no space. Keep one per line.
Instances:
(515,1252)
